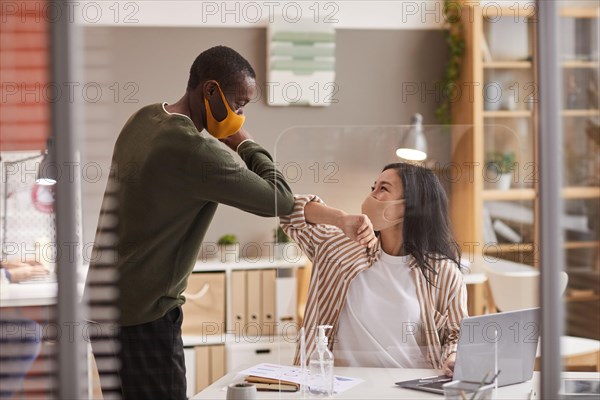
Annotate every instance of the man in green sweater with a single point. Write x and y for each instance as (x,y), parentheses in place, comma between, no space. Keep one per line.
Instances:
(168,177)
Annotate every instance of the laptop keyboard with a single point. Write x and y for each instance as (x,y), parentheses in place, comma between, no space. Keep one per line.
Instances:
(437,384)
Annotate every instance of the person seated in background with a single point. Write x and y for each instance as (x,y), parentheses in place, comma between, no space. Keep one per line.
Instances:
(389,281)
(18,271)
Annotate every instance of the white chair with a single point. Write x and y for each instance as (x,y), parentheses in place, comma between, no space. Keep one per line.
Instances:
(515,286)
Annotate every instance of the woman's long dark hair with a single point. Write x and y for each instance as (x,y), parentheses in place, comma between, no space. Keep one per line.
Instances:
(427,231)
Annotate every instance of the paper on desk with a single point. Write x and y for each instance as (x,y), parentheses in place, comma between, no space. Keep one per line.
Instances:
(294,374)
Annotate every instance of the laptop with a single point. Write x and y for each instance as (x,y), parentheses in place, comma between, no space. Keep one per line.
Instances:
(512,335)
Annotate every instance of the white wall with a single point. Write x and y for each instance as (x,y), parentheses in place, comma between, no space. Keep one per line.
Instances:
(349,14)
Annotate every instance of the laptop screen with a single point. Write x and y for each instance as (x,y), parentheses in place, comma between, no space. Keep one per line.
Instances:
(505,342)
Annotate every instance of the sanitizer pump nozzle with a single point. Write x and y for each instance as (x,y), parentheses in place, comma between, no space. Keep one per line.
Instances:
(321,365)
(322,340)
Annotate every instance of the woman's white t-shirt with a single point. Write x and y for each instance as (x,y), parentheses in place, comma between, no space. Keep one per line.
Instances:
(380,324)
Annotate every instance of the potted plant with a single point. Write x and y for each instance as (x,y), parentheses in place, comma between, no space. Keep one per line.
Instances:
(457,45)
(229,248)
(281,244)
(499,169)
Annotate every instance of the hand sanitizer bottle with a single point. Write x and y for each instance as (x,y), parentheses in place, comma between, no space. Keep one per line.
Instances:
(321,366)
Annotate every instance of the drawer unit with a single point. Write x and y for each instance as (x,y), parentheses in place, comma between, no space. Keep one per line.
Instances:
(250,351)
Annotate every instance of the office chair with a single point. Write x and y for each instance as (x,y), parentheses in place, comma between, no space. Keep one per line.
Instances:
(515,286)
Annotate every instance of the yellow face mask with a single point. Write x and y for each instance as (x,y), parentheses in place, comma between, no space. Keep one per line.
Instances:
(228,126)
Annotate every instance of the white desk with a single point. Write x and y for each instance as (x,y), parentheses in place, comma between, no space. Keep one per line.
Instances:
(37,293)
(31,294)
(379,384)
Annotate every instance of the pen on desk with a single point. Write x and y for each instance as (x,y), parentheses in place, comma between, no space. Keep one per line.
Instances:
(429,378)
(494,377)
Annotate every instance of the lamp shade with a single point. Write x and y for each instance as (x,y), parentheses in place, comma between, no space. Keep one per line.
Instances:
(414,145)
(47,170)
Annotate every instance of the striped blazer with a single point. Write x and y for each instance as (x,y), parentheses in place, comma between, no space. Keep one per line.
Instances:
(337,260)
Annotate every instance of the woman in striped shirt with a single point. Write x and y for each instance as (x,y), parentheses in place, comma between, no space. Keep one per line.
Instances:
(389,280)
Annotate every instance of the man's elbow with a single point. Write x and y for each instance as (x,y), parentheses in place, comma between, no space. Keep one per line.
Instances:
(285,204)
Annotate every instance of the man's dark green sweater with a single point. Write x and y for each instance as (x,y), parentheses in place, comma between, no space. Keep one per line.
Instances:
(170,179)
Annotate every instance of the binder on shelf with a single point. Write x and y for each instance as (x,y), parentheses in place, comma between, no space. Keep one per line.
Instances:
(217,362)
(253,301)
(202,368)
(210,365)
(238,301)
(268,301)
(286,301)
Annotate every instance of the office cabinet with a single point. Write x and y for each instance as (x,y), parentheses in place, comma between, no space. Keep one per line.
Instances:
(204,365)
(256,303)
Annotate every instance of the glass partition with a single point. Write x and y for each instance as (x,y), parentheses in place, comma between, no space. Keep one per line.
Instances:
(493,225)
(579,65)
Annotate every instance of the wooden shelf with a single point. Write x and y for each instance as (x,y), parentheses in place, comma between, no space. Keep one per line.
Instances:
(511,194)
(579,12)
(527,247)
(581,113)
(508,114)
(493,11)
(570,193)
(582,298)
(582,245)
(509,248)
(581,64)
(508,64)
(575,193)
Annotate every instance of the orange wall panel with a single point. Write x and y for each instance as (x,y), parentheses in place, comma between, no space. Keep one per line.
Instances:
(24,75)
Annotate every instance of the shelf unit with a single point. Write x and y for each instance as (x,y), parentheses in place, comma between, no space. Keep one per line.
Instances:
(471,194)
